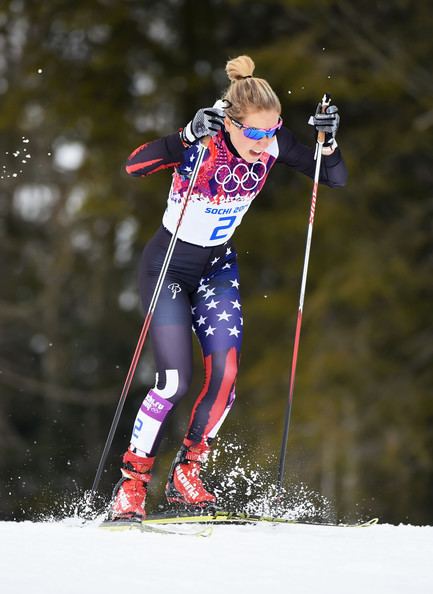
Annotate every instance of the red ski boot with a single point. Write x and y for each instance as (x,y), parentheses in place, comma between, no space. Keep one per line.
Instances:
(129,495)
(184,484)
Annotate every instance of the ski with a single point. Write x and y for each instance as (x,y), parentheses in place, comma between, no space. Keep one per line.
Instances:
(169,523)
(146,526)
(223,517)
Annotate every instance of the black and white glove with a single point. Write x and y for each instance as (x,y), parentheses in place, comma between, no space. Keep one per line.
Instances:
(206,122)
(326,121)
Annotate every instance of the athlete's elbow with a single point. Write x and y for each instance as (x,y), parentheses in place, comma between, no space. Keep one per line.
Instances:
(338,182)
(132,169)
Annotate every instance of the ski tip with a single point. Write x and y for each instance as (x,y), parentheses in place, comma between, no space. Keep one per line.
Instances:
(367,523)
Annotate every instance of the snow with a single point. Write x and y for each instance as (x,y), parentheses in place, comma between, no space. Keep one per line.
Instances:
(63,557)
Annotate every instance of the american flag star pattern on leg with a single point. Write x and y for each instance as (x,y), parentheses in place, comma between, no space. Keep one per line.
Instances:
(217,310)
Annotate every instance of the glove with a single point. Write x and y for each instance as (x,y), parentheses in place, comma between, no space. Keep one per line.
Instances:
(328,123)
(206,122)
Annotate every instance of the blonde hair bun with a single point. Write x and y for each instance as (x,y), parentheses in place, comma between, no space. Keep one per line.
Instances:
(239,68)
(247,92)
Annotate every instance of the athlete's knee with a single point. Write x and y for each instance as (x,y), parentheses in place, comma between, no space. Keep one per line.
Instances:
(226,365)
(230,372)
(232,366)
(172,384)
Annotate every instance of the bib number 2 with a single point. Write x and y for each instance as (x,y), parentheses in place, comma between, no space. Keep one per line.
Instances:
(218,232)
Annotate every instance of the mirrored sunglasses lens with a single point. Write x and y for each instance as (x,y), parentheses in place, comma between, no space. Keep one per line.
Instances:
(254,134)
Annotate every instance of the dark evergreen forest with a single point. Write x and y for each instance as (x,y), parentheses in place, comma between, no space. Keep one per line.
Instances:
(81,85)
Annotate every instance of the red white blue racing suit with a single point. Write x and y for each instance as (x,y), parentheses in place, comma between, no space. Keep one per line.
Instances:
(201,289)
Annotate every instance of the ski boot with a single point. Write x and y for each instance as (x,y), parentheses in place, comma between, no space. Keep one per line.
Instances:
(129,495)
(184,485)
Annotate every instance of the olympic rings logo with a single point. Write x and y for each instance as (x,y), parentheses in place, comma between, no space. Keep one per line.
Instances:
(240,177)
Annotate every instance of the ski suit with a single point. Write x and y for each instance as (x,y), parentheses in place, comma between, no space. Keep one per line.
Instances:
(201,289)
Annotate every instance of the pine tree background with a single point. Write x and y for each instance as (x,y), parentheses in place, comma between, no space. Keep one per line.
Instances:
(84,83)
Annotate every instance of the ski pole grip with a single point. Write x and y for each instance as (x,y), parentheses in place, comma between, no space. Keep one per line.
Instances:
(325,103)
(220,104)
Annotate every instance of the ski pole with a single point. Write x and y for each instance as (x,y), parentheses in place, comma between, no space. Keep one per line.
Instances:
(146,324)
(318,156)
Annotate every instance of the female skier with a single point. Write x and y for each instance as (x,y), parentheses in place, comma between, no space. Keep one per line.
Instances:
(201,288)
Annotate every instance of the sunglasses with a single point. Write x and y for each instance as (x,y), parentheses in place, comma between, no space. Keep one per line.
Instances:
(258,133)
